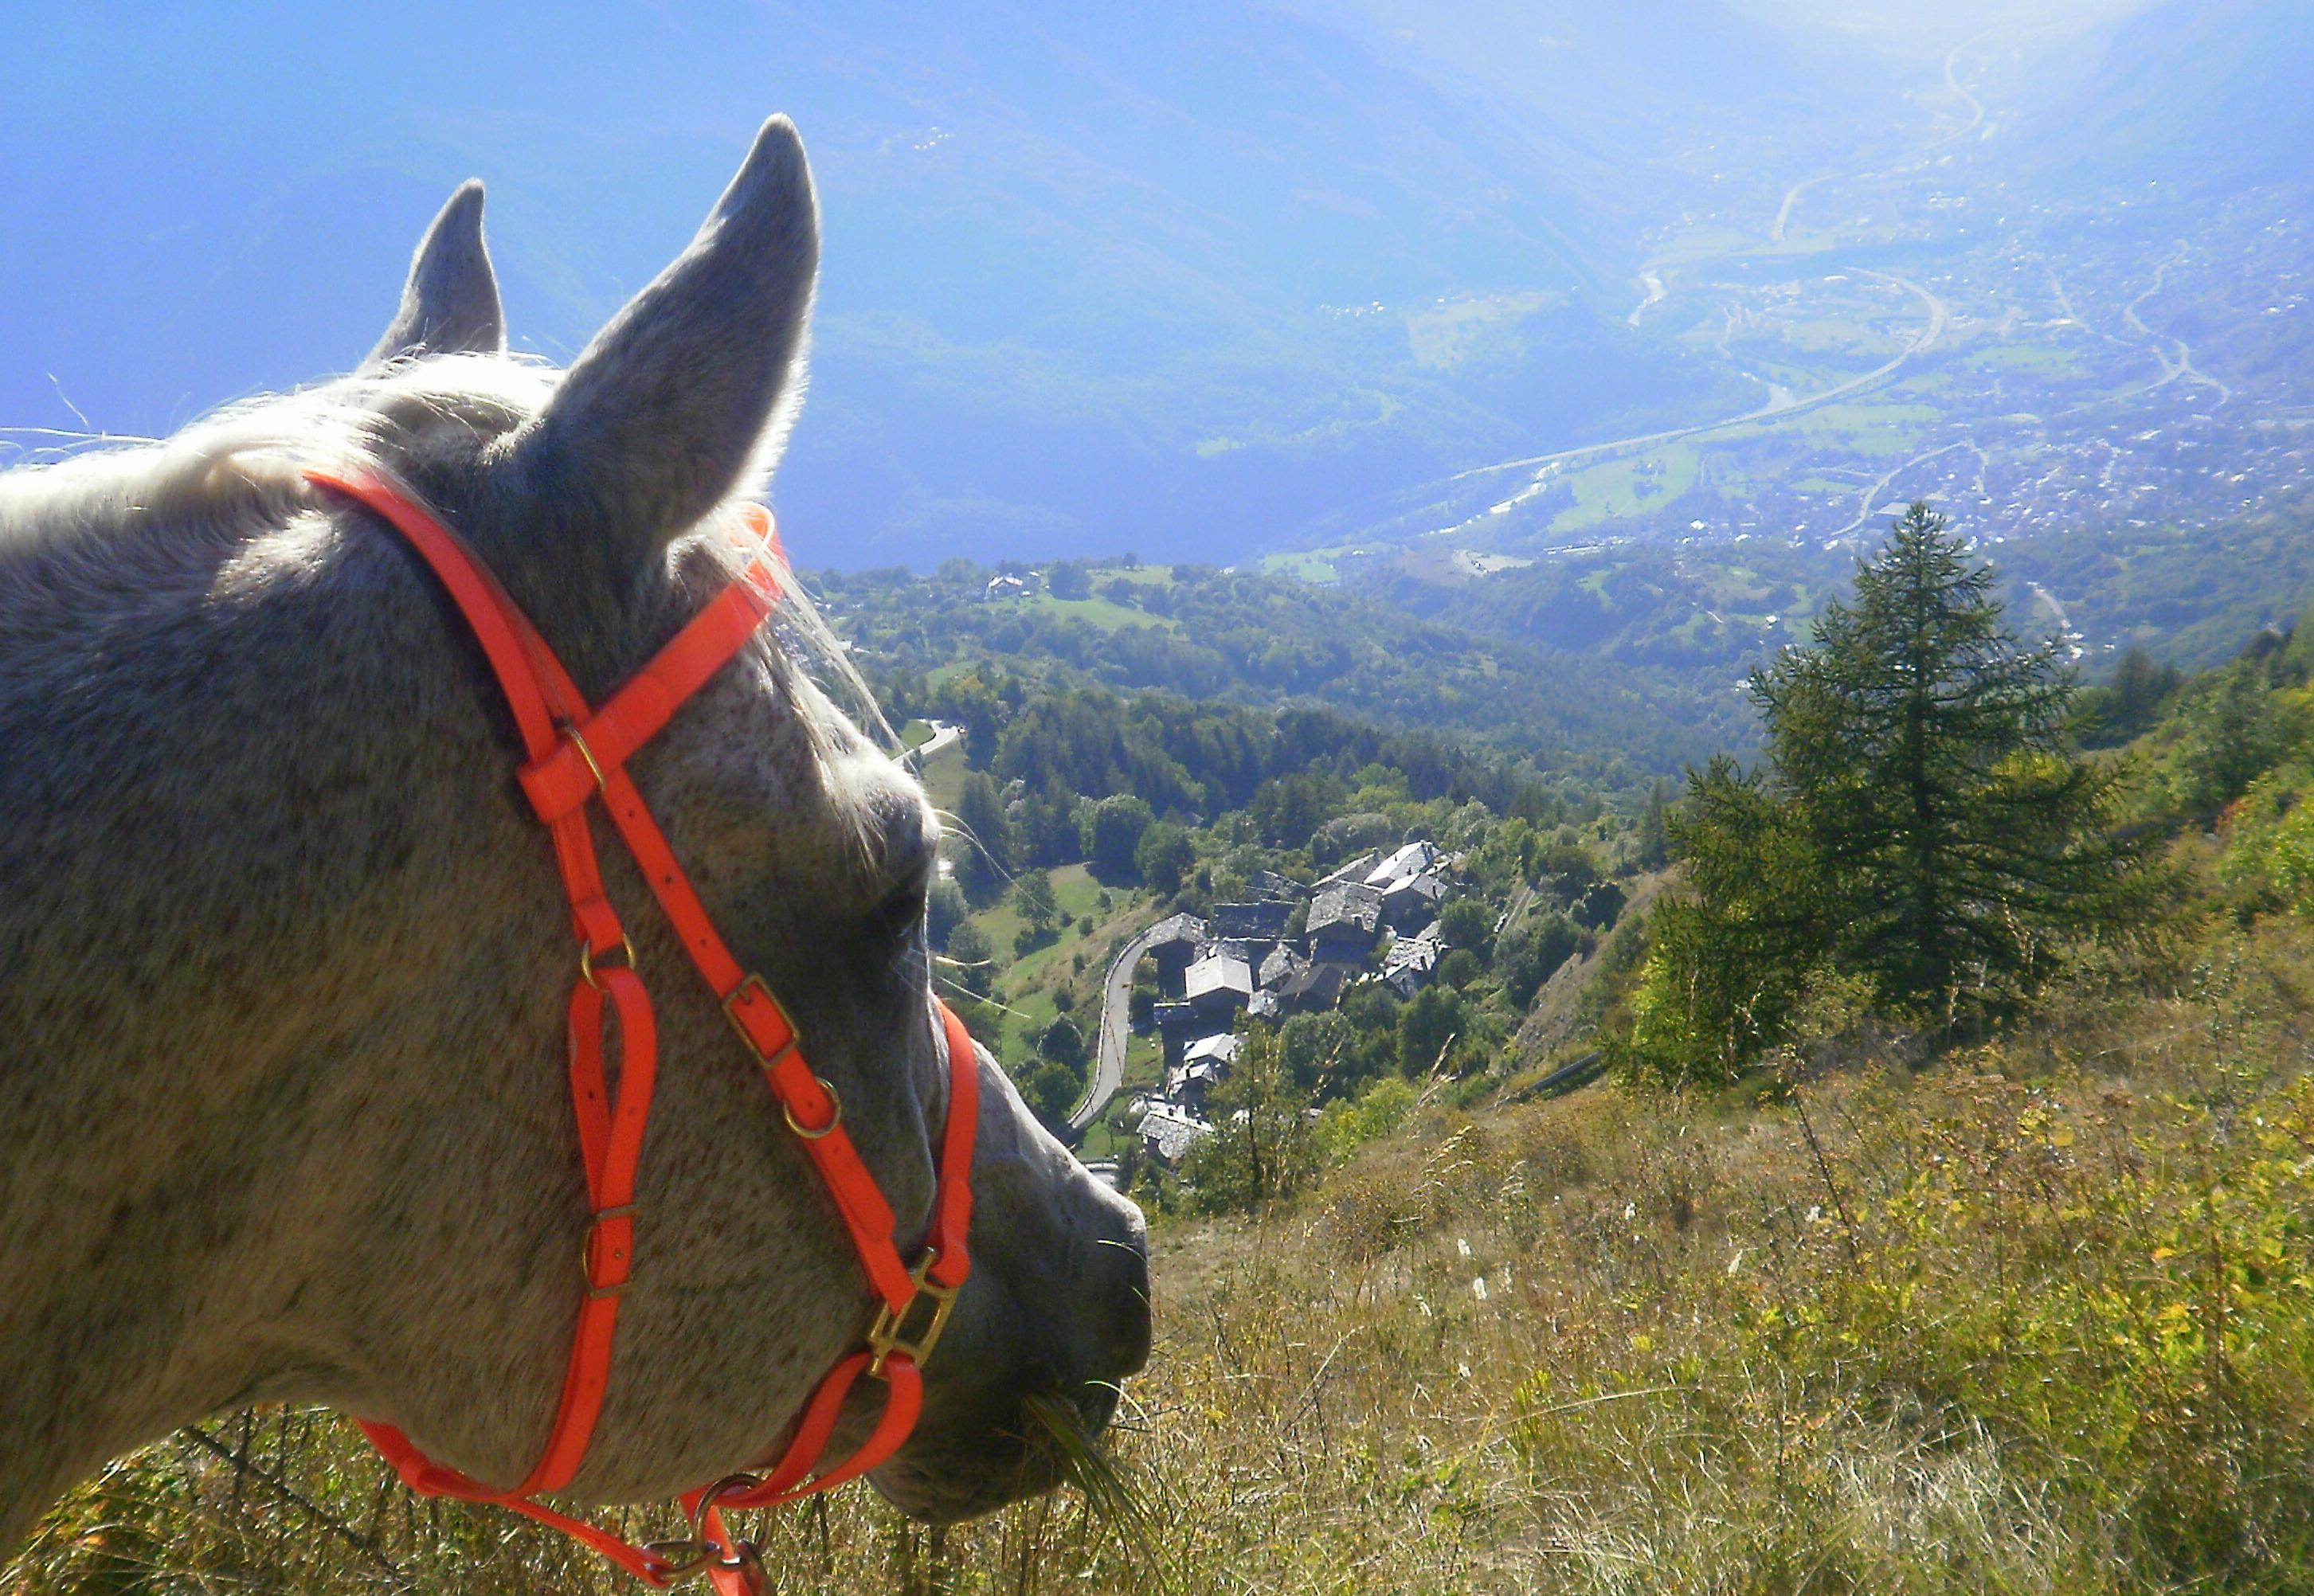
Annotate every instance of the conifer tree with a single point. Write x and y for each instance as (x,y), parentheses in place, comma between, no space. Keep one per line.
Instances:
(1919,823)
(1727,956)
(1921,745)
(984,847)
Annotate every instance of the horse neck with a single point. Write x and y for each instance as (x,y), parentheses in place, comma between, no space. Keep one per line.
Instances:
(224,809)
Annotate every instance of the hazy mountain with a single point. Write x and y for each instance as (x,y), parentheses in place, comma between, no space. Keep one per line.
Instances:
(1187,277)
(2199,96)
(1200,280)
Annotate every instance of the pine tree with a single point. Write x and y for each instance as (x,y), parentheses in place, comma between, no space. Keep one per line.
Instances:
(1653,848)
(1032,895)
(984,844)
(1921,746)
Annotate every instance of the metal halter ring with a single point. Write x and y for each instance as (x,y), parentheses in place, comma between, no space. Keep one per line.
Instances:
(834,1113)
(681,1559)
(570,730)
(587,959)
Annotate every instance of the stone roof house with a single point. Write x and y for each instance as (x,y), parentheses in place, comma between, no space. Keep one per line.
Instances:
(1343,920)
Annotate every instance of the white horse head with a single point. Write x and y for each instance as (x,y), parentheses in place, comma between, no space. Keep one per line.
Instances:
(282,959)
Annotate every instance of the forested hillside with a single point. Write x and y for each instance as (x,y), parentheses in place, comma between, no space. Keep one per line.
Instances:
(1246,638)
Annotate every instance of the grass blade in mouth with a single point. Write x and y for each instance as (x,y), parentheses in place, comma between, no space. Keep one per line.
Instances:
(1107,1490)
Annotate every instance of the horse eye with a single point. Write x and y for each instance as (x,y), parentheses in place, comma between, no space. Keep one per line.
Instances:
(902,908)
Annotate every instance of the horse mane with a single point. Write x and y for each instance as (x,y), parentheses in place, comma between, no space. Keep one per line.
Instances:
(91,499)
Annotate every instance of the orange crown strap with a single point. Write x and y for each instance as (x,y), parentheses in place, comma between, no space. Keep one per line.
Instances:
(574,753)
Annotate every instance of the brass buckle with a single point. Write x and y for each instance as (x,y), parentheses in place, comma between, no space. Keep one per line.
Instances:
(886,1337)
(569,730)
(756,985)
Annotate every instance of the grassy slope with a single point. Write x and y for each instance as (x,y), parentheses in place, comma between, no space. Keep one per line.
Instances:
(2034,1319)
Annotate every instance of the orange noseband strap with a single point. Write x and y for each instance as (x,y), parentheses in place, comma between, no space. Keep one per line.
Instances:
(574,753)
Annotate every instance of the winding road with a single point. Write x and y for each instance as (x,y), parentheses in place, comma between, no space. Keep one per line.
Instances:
(1109,1049)
(2182,366)
(1791,198)
(1937,314)
(1869,499)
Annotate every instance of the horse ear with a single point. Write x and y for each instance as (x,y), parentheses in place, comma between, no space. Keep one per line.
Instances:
(450,305)
(687,394)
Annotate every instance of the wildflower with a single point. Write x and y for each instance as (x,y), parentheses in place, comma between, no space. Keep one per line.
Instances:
(1479,1288)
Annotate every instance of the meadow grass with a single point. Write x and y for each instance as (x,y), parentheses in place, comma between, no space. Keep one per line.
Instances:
(2036,1318)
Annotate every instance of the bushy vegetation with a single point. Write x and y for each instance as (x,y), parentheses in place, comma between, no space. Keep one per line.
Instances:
(1921,831)
(2040,1320)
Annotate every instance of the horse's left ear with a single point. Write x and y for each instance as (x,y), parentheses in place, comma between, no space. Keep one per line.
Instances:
(684,397)
(451,303)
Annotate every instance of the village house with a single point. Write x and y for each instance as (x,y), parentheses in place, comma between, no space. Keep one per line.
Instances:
(1407,969)
(1216,987)
(1262,920)
(1356,869)
(1410,885)
(1342,923)
(1174,944)
(1167,1131)
(1412,903)
(1278,966)
(1204,1061)
(1269,884)
(1317,985)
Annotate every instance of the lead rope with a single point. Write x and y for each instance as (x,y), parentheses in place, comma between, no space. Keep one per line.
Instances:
(576,753)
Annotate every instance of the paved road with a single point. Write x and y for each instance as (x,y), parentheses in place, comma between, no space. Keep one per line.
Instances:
(1791,198)
(1108,1049)
(1938,313)
(942,735)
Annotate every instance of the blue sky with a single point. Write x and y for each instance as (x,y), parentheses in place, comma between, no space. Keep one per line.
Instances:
(206,201)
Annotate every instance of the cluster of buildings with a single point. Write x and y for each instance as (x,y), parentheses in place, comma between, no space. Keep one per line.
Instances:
(1375,918)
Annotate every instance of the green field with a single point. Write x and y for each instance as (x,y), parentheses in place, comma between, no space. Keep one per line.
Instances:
(1315,565)
(1641,484)
(1102,613)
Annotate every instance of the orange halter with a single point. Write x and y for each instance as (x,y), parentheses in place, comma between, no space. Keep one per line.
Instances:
(574,755)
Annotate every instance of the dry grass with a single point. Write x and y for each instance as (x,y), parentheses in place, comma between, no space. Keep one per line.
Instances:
(2035,1321)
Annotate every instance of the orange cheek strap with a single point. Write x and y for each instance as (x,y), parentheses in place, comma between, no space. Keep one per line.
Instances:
(573,754)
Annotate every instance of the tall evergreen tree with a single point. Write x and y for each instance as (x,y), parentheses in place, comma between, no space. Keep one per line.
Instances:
(985,851)
(1919,823)
(1921,745)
